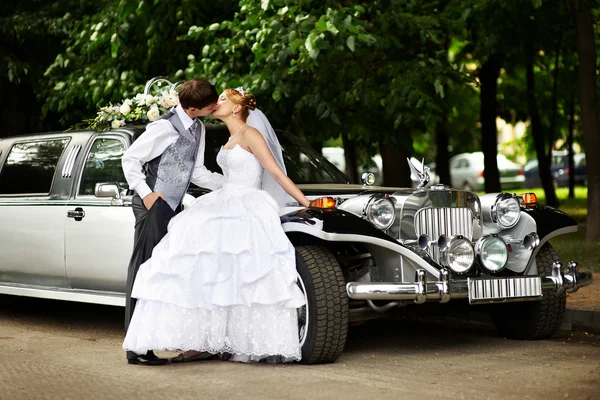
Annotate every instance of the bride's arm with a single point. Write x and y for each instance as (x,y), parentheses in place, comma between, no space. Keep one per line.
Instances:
(257,145)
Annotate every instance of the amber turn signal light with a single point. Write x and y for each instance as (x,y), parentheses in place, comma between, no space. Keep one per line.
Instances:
(323,202)
(529,200)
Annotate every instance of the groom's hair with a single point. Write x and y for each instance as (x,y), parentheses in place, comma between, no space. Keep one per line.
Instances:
(197,93)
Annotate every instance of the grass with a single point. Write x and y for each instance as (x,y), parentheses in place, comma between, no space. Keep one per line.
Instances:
(576,208)
(572,246)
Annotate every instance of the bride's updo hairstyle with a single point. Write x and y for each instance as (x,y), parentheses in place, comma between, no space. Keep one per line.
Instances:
(243,98)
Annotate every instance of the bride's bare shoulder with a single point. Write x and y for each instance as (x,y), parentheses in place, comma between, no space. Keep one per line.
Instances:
(253,136)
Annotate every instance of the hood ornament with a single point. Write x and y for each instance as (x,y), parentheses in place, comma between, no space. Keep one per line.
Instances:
(420,171)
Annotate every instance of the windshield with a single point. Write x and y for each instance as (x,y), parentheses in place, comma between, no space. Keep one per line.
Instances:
(303,164)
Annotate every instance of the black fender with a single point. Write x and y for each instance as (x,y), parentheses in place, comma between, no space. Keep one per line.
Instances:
(333,220)
(334,225)
(550,221)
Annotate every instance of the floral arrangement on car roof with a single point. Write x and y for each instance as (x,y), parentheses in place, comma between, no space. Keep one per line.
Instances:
(140,109)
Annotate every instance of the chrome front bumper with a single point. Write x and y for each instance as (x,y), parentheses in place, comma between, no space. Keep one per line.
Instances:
(478,290)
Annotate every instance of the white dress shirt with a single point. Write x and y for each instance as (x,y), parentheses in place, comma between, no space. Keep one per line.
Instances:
(159,135)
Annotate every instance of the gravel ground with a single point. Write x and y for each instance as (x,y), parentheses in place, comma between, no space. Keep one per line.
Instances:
(60,350)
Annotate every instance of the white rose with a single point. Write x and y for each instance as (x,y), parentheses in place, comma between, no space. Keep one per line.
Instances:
(117,123)
(173,100)
(153,113)
(139,99)
(149,99)
(125,109)
(169,99)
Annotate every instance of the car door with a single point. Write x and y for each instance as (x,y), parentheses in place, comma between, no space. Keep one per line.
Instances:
(32,225)
(99,232)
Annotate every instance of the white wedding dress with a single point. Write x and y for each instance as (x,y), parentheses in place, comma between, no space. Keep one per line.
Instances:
(223,279)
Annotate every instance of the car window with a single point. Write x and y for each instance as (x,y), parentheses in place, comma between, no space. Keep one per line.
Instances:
(30,167)
(103,164)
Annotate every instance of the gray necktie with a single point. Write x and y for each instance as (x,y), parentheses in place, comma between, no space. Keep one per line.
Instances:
(193,128)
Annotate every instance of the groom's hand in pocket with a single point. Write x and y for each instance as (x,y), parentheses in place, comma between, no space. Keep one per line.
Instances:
(151,199)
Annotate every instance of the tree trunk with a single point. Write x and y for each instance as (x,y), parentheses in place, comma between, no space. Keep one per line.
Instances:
(317,145)
(588,102)
(488,76)
(396,171)
(538,130)
(554,98)
(351,159)
(442,157)
(17,119)
(570,147)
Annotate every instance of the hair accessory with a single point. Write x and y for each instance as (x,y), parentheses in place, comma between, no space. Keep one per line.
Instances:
(241,91)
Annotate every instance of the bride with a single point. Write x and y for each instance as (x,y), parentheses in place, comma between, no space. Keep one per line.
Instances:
(223,279)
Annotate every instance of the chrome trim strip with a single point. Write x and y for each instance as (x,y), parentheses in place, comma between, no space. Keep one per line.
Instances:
(477,290)
(88,202)
(71,161)
(64,173)
(78,295)
(37,203)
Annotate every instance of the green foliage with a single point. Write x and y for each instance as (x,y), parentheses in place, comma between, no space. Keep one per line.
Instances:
(372,70)
(112,53)
(37,25)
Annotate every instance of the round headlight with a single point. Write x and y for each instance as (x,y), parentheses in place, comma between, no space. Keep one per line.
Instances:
(381,212)
(492,253)
(506,211)
(460,254)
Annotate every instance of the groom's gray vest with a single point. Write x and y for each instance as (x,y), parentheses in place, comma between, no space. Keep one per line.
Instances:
(170,173)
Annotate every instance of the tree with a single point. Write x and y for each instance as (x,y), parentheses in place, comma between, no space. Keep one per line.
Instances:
(371,71)
(110,54)
(588,101)
(31,35)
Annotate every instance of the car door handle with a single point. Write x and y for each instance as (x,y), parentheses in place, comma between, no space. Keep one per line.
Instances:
(77,214)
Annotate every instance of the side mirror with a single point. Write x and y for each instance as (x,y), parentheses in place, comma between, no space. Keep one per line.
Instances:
(109,190)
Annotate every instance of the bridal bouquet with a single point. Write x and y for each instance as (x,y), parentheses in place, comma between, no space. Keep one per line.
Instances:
(141,109)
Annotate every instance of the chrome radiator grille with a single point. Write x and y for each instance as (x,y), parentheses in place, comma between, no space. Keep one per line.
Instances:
(434,222)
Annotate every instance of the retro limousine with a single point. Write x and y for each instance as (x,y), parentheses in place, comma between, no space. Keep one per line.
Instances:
(67,233)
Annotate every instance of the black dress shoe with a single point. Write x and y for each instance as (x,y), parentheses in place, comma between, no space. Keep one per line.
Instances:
(147,359)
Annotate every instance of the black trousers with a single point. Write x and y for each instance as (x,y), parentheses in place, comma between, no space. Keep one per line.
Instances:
(150,228)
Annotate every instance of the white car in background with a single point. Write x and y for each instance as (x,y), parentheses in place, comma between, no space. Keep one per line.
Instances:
(467,172)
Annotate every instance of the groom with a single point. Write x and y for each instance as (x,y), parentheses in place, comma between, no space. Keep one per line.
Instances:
(159,166)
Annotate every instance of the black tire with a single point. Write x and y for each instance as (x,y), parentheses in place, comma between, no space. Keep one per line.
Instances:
(533,320)
(325,288)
